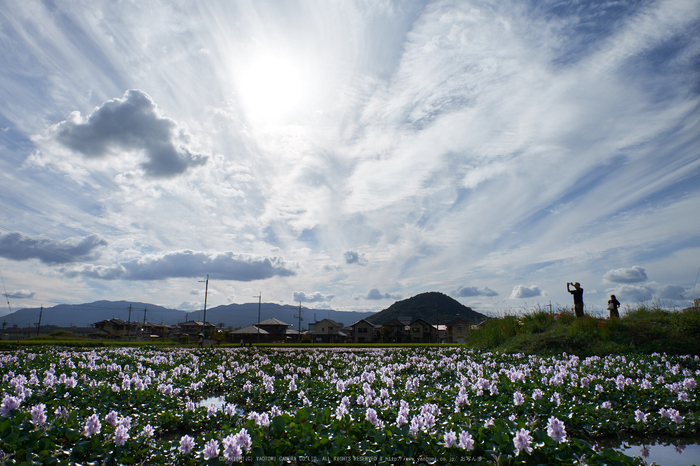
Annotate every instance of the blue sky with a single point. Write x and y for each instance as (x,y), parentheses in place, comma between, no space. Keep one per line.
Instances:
(348,154)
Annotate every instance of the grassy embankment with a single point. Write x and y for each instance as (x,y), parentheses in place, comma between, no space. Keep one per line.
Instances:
(643,330)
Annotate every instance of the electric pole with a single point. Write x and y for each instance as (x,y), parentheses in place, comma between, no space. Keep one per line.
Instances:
(39,325)
(259,306)
(206,292)
(300,319)
(128,326)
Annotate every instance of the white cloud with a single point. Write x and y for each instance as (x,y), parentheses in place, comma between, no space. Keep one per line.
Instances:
(222,266)
(21,294)
(633,294)
(353,257)
(634,274)
(130,124)
(317,297)
(18,247)
(673,292)
(469,291)
(522,291)
(375,294)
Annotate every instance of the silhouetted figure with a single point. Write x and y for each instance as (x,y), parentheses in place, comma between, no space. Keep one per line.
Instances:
(577,292)
(613,305)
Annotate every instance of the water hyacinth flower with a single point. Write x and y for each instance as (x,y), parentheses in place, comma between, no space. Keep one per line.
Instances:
(147,431)
(518,398)
(211,450)
(522,441)
(640,416)
(450,439)
(371,416)
(92,426)
(232,450)
(556,430)
(606,405)
(9,403)
(121,435)
(112,418)
(186,444)
(39,415)
(466,442)
(537,394)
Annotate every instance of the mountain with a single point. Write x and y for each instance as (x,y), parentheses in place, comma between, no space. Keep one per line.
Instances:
(231,315)
(433,307)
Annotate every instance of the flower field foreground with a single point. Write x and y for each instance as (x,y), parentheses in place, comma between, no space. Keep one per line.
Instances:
(325,406)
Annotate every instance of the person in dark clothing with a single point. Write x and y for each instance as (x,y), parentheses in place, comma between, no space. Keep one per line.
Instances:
(577,292)
(613,305)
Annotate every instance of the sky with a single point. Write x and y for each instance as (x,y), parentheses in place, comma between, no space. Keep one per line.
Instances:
(347,154)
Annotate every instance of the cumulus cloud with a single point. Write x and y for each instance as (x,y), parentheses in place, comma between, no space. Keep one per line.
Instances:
(634,274)
(318,297)
(353,257)
(21,294)
(672,292)
(632,293)
(375,294)
(132,124)
(468,291)
(522,291)
(189,264)
(190,306)
(18,247)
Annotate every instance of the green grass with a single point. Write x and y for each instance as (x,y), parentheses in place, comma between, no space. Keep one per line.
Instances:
(643,330)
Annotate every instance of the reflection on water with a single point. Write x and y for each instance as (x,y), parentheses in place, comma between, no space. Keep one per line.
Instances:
(661,451)
(218,401)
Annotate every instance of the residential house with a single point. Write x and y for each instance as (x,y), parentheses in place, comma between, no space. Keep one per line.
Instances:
(195,327)
(457,330)
(250,334)
(276,329)
(423,332)
(328,331)
(362,331)
(118,328)
(395,331)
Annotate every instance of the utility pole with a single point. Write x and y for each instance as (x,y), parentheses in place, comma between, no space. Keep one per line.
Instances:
(259,306)
(39,325)
(206,292)
(300,319)
(128,325)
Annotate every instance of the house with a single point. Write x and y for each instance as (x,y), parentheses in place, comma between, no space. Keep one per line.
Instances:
(150,329)
(395,331)
(362,331)
(250,334)
(328,331)
(276,329)
(195,327)
(118,328)
(423,332)
(457,331)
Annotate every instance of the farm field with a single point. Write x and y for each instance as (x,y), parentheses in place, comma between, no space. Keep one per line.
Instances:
(331,406)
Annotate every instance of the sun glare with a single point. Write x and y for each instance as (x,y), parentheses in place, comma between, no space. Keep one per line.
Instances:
(274,89)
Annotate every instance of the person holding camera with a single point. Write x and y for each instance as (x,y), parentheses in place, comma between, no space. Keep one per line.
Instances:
(577,292)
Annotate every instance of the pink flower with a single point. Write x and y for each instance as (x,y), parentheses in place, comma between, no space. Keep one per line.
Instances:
(186,444)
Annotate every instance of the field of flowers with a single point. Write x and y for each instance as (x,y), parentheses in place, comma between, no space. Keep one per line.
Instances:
(335,406)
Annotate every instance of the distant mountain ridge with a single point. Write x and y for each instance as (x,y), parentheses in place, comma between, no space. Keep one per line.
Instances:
(433,307)
(230,315)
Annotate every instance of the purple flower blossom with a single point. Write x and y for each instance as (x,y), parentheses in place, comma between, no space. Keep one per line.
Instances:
(518,398)
(92,426)
(243,439)
(522,442)
(466,442)
(39,415)
(450,439)
(606,405)
(211,449)
(556,430)
(9,403)
(232,450)
(121,435)
(112,418)
(186,444)
(147,431)
(537,394)
(640,416)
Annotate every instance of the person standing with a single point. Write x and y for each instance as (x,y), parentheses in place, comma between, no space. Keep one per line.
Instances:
(577,292)
(613,305)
